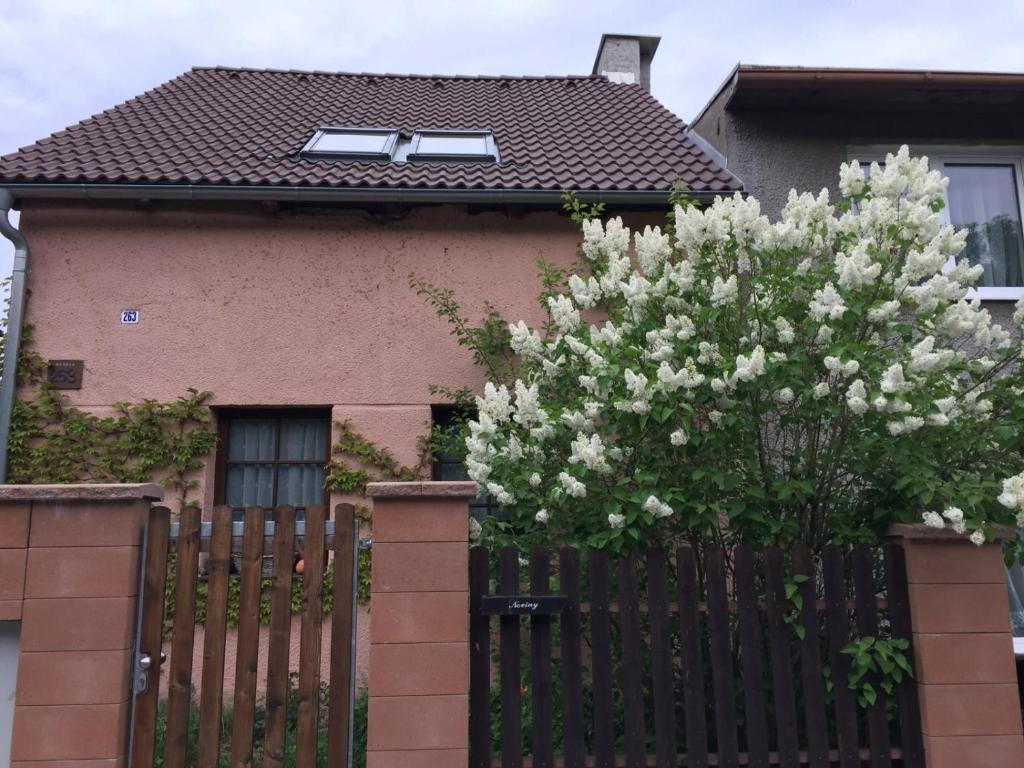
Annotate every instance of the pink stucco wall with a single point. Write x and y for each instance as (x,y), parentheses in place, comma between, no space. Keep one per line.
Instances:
(268,308)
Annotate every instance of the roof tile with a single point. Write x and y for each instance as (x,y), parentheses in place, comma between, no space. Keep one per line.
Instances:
(220,126)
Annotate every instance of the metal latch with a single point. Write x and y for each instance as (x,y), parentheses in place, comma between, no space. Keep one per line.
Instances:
(143,663)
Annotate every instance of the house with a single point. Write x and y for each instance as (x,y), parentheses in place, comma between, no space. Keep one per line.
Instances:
(779,128)
(252,233)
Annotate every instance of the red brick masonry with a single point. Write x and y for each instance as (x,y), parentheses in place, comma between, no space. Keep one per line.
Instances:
(69,560)
(419,637)
(966,678)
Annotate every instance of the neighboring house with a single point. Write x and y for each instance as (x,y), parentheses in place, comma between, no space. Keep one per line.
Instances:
(779,128)
(260,226)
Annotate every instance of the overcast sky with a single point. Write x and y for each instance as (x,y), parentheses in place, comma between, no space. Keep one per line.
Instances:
(63,60)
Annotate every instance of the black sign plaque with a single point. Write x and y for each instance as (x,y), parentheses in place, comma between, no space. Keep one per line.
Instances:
(522,605)
(65,374)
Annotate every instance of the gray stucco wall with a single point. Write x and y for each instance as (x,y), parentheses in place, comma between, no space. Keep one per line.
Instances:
(778,150)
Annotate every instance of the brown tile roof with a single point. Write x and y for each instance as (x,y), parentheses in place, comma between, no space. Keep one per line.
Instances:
(221,126)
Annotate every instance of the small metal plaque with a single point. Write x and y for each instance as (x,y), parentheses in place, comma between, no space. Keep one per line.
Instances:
(65,374)
(522,605)
(129,317)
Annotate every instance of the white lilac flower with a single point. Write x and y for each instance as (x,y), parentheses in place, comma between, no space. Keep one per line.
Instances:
(656,507)
(715,417)
(652,249)
(893,380)
(496,403)
(856,397)
(933,520)
(1012,495)
(475,529)
(616,521)
(784,330)
(821,389)
(955,516)
(589,451)
(571,485)
(535,480)
(525,342)
(827,303)
(564,315)
(784,395)
(586,293)
(679,437)
(978,537)
(883,311)
(924,360)
(724,291)
(541,516)
(749,368)
(528,409)
(857,269)
(824,335)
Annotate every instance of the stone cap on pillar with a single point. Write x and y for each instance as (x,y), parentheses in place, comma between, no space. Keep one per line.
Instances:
(465,489)
(82,492)
(922,531)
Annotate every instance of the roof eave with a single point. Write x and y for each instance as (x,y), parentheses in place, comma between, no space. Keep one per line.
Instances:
(94,191)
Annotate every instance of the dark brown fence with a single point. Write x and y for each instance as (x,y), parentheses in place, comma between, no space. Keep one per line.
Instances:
(240,556)
(727,659)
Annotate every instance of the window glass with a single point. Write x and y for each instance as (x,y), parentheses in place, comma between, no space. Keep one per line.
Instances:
(452,144)
(983,200)
(351,142)
(250,440)
(274,460)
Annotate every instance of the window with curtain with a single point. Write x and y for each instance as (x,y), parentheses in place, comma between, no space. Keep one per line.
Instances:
(271,458)
(983,198)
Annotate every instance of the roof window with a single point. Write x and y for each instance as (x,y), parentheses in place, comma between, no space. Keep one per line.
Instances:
(453,145)
(352,143)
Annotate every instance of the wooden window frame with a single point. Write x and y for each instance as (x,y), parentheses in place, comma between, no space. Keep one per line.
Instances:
(224,417)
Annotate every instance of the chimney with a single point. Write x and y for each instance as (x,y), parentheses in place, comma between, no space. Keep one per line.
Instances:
(626,58)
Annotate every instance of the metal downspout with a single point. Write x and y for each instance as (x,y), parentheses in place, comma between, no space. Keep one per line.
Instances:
(12,342)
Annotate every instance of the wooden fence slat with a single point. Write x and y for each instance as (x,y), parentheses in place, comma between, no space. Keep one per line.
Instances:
(280,637)
(339,702)
(572,666)
(838,621)
(218,568)
(779,636)
(899,617)
(632,682)
(479,661)
(601,660)
(722,672)
(308,707)
(867,626)
(151,634)
(511,706)
(751,658)
(661,659)
(179,684)
(815,715)
(540,665)
(692,658)
(248,639)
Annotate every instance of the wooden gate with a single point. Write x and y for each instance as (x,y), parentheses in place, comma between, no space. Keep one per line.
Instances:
(248,564)
(727,659)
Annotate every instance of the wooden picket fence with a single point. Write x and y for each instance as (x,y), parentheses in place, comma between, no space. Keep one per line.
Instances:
(701,667)
(254,539)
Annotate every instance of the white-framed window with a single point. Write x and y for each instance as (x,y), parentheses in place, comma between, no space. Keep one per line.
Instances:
(986,197)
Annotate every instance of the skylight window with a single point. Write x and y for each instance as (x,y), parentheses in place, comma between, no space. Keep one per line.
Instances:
(453,145)
(352,143)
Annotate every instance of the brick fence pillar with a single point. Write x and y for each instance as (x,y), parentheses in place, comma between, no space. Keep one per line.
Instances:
(963,650)
(419,626)
(69,570)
